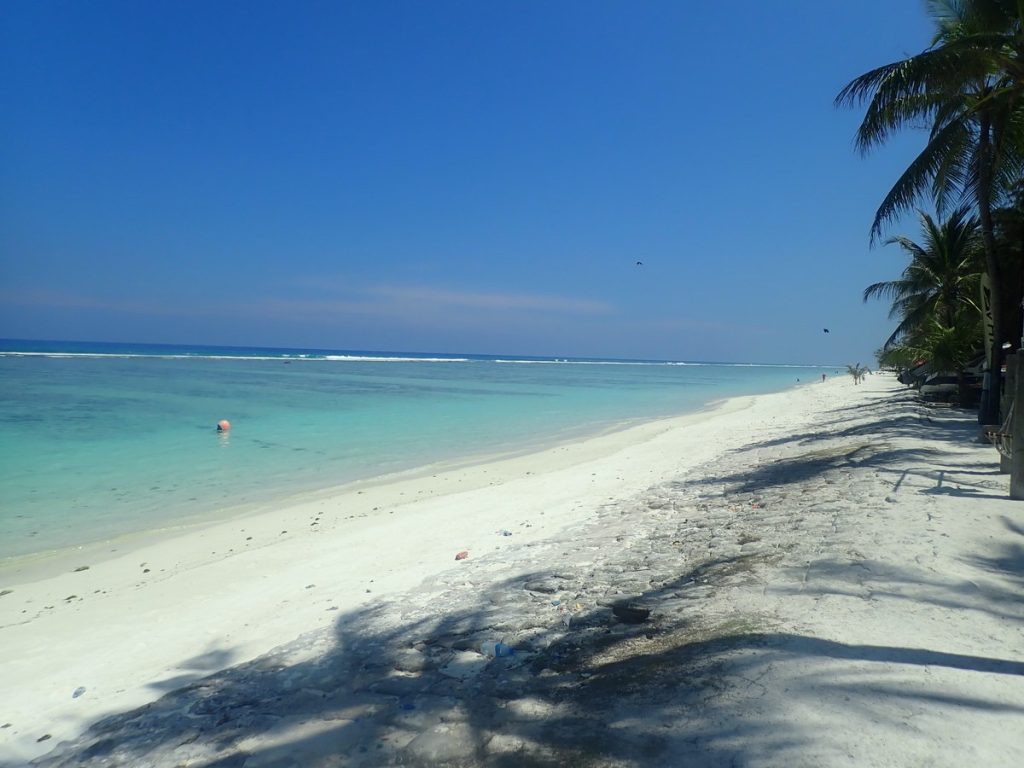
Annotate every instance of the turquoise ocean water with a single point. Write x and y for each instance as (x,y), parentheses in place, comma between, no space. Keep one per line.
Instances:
(99,440)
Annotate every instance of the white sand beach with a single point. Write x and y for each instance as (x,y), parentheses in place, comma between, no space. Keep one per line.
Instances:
(833,576)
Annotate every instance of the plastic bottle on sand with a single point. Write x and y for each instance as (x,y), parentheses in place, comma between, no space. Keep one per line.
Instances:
(493,650)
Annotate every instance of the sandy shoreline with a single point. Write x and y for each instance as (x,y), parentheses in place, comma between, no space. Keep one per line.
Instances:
(244,581)
(39,566)
(781,519)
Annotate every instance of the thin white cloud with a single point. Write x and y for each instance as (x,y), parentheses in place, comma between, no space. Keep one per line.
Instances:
(702,325)
(492,301)
(392,301)
(65,300)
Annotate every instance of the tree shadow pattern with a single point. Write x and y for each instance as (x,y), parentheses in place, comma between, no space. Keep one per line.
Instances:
(404,682)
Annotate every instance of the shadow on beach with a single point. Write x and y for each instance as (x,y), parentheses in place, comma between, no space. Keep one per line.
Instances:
(869,443)
(902,414)
(422,693)
(602,692)
(595,680)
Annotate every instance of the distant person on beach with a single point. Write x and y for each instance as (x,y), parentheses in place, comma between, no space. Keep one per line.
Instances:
(823,377)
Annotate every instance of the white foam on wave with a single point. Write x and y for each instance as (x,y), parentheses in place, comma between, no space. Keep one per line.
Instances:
(591,362)
(300,357)
(130,355)
(373,359)
(305,357)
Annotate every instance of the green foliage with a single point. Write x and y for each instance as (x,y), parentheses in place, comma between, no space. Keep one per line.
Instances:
(967,91)
(942,279)
(945,347)
(967,87)
(899,357)
(949,348)
(858,372)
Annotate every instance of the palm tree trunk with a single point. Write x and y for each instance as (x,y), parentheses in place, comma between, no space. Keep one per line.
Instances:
(989,411)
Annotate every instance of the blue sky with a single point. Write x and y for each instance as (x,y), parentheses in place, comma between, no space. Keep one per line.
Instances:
(448,176)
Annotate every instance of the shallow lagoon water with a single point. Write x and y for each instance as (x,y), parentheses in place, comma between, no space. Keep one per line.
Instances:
(98,441)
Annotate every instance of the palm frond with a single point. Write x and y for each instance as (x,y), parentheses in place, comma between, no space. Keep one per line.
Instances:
(918,176)
(890,289)
(909,247)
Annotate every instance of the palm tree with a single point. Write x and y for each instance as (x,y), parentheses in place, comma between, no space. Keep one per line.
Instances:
(899,357)
(858,372)
(967,86)
(941,279)
(950,347)
(945,347)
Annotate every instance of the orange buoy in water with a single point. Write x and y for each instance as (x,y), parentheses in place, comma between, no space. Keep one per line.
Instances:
(223,425)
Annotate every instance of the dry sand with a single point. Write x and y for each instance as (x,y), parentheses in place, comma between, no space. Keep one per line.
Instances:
(833,576)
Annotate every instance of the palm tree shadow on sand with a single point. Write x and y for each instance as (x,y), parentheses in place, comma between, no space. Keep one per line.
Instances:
(403,681)
(678,687)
